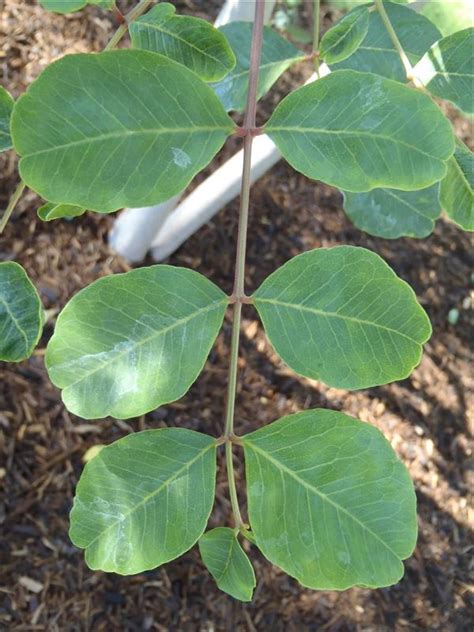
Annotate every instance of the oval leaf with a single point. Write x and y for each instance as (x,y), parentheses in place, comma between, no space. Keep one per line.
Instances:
(122,128)
(131,342)
(228,563)
(50,211)
(358,132)
(190,41)
(457,188)
(329,502)
(342,316)
(144,500)
(21,313)
(277,56)
(447,69)
(345,37)
(391,214)
(377,53)
(6,109)
(68,6)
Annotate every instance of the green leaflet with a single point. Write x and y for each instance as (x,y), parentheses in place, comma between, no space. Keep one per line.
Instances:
(6,108)
(391,214)
(358,131)
(345,37)
(277,56)
(68,6)
(447,69)
(190,41)
(228,563)
(457,188)
(21,313)
(115,129)
(342,316)
(377,54)
(50,211)
(144,500)
(131,342)
(329,502)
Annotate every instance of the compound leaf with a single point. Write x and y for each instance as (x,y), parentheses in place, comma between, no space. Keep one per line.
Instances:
(190,41)
(342,316)
(277,56)
(228,563)
(377,53)
(329,502)
(131,342)
(358,131)
(447,69)
(391,214)
(21,313)
(6,109)
(121,128)
(50,211)
(457,188)
(345,37)
(144,500)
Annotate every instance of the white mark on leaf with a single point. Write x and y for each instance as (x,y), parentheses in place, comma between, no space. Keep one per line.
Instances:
(180,158)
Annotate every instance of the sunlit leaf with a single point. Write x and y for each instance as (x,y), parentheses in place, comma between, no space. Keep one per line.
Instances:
(447,69)
(358,131)
(69,6)
(6,108)
(342,316)
(377,53)
(144,500)
(391,214)
(50,211)
(457,188)
(115,129)
(21,313)
(277,56)
(228,563)
(345,37)
(329,502)
(190,41)
(131,342)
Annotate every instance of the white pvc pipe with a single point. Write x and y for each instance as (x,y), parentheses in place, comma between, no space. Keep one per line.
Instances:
(135,228)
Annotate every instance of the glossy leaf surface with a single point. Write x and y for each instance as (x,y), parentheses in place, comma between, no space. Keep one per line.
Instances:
(345,37)
(144,500)
(342,316)
(277,56)
(50,211)
(115,129)
(358,132)
(377,53)
(228,563)
(21,313)
(391,214)
(6,108)
(457,188)
(190,41)
(447,69)
(329,502)
(131,342)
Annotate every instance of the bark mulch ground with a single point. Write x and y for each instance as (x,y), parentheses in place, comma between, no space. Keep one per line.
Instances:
(44,583)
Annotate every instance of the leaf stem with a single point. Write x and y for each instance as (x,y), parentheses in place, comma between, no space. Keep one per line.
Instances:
(11,205)
(316,30)
(396,42)
(132,15)
(239,281)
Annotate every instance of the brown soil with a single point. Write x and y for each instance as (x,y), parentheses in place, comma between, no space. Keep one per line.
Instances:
(44,583)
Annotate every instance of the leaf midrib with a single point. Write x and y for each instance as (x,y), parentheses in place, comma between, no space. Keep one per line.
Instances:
(154,493)
(122,133)
(16,323)
(320,312)
(140,343)
(279,465)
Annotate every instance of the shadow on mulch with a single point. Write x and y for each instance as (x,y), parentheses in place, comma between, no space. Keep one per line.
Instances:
(44,583)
